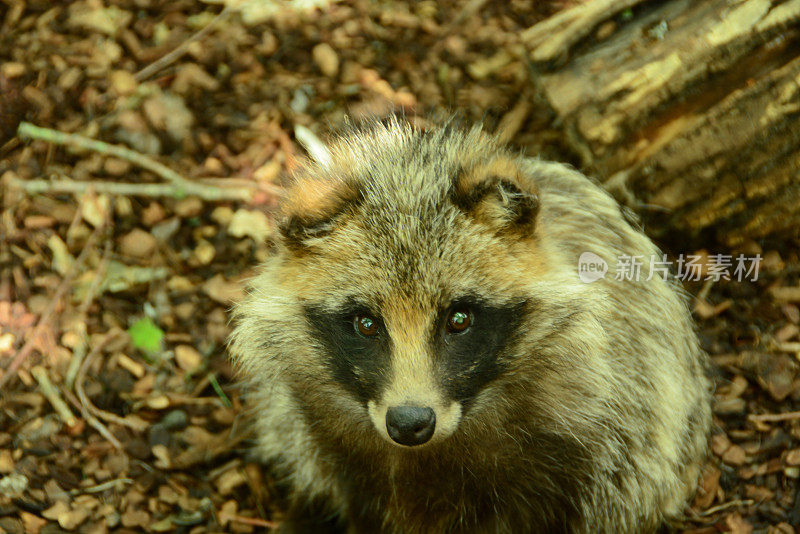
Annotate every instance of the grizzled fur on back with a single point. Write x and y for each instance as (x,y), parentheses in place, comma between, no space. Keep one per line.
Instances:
(564,407)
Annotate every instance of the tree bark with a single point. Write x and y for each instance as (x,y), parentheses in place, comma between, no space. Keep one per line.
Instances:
(689,110)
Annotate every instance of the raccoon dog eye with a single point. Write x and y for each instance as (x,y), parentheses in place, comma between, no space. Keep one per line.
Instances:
(459,321)
(365,325)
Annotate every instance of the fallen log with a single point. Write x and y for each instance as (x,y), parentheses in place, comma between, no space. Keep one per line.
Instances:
(688,111)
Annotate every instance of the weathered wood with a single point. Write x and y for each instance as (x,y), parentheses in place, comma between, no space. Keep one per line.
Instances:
(689,108)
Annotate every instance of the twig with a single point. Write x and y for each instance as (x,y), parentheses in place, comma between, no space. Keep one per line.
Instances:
(100,488)
(254,521)
(469,9)
(112,188)
(705,290)
(84,398)
(72,229)
(8,146)
(180,186)
(79,352)
(53,396)
(27,130)
(93,421)
(200,385)
(774,417)
(512,122)
(171,399)
(789,346)
(725,506)
(27,348)
(217,445)
(176,54)
(206,192)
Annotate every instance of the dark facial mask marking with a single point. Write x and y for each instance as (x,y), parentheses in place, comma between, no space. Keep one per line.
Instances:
(360,363)
(468,360)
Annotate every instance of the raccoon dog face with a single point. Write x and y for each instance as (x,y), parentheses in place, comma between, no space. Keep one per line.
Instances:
(393,301)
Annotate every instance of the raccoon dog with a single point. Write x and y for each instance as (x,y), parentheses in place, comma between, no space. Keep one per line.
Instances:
(423,357)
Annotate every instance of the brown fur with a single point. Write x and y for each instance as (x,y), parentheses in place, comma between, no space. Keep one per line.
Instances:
(597,418)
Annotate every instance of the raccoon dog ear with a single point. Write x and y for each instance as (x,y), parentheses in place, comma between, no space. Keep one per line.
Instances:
(310,207)
(498,194)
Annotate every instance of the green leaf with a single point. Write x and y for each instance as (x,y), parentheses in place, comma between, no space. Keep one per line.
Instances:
(146,335)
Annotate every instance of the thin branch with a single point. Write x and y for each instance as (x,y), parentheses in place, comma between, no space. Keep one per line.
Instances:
(774,417)
(79,352)
(179,187)
(725,506)
(44,320)
(470,8)
(176,54)
(27,130)
(113,188)
(8,146)
(93,421)
(133,424)
(129,189)
(254,521)
(52,395)
(117,484)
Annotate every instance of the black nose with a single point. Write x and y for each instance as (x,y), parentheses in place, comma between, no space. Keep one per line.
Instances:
(410,425)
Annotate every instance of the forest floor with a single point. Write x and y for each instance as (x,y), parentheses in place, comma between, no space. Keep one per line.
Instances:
(118,409)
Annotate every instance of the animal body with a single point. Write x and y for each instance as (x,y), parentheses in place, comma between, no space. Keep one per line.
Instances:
(423,357)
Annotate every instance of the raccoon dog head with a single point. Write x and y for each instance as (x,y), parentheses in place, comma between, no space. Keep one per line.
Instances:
(396,295)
